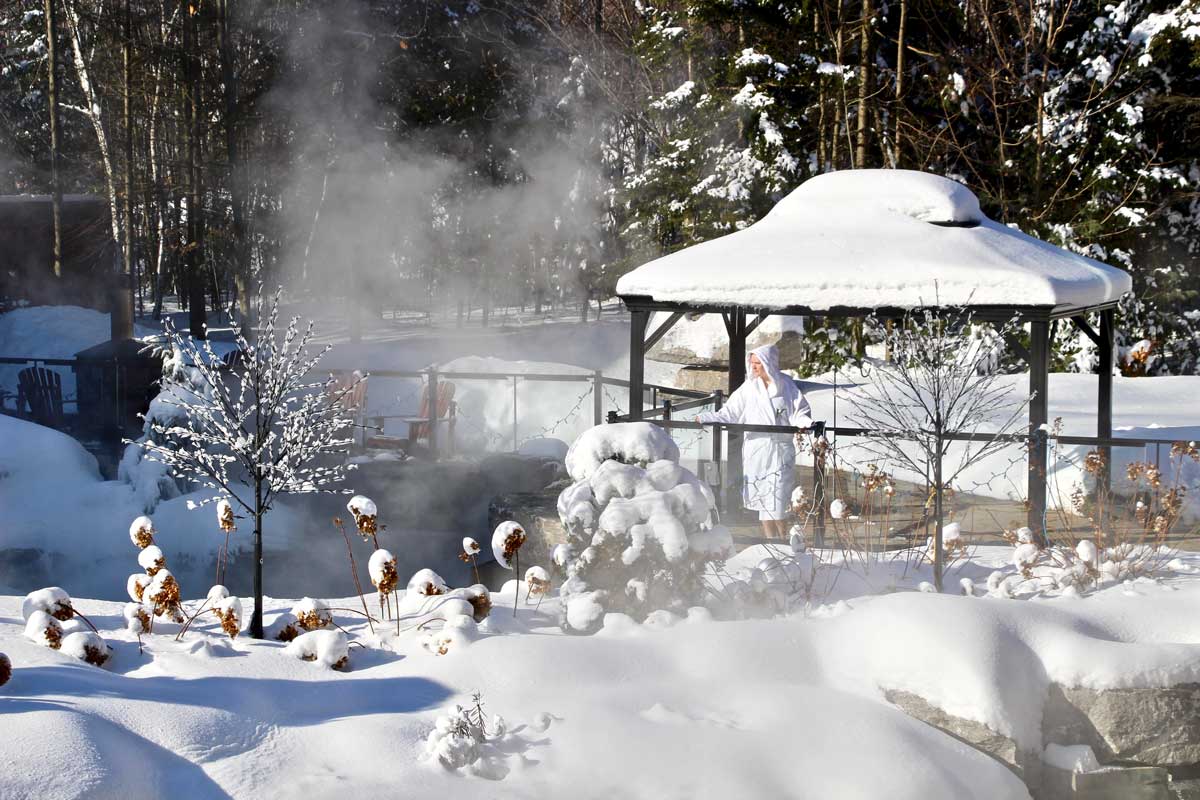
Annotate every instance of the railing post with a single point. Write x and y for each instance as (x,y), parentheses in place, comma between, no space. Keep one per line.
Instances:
(612,417)
(667,411)
(718,401)
(819,494)
(433,412)
(597,397)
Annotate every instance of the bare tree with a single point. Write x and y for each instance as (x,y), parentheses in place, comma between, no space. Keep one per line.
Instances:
(940,393)
(256,429)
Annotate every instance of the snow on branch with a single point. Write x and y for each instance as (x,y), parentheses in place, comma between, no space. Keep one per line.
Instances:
(257,424)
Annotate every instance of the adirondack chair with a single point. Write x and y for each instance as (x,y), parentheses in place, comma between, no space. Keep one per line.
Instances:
(354,400)
(40,390)
(447,410)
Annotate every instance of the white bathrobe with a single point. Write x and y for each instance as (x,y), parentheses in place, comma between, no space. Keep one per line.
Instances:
(768,459)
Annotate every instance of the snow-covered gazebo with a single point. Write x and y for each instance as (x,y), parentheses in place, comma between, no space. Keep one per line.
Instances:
(861,242)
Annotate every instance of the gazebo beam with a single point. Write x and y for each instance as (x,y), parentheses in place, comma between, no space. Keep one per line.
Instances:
(1039,410)
(750,328)
(638,320)
(662,329)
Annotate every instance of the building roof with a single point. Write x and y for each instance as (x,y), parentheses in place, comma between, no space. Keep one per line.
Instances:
(876,239)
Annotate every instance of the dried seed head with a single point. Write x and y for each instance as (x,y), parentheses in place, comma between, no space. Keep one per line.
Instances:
(481,602)
(287,633)
(225,517)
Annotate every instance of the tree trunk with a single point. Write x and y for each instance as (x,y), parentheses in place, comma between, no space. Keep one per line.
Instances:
(193,259)
(256,621)
(897,161)
(864,82)
(51,13)
(237,193)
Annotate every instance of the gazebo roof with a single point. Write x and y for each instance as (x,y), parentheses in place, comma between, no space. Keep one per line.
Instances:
(864,239)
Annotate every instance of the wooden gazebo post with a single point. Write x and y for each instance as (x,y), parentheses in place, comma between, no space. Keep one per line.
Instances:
(735,325)
(638,320)
(1039,384)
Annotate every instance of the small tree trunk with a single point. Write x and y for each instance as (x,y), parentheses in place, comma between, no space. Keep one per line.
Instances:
(51,14)
(256,622)
(937,510)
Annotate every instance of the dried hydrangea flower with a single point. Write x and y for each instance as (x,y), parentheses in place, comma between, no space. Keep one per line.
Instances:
(225,516)
(141,532)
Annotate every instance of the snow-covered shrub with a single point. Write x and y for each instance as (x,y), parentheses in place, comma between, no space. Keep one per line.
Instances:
(640,528)
(308,614)
(455,739)
(329,648)
(44,629)
(86,646)
(137,618)
(52,600)
(5,669)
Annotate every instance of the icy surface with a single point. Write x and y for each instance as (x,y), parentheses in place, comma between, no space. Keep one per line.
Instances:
(864,238)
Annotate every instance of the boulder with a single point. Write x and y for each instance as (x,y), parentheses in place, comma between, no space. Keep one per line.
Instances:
(1004,749)
(1152,726)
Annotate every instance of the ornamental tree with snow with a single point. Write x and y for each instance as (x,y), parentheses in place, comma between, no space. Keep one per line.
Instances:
(640,528)
(255,430)
(941,380)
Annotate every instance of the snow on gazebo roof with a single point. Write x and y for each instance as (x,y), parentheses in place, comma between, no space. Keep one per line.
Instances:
(875,238)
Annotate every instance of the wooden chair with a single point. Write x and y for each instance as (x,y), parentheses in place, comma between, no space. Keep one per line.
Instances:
(40,390)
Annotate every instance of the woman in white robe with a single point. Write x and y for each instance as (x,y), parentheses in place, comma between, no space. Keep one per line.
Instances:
(768,397)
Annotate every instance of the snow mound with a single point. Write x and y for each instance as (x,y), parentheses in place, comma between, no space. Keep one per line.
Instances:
(627,442)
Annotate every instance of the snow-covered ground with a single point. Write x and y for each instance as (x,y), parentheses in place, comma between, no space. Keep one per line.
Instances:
(677,707)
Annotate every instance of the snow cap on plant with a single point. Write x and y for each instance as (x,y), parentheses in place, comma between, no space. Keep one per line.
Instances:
(53,600)
(382,569)
(225,516)
(137,618)
(481,601)
(136,586)
(537,581)
(1024,535)
(427,582)
(86,646)
(5,669)
(798,498)
(329,648)
(364,511)
(141,532)
(218,593)
(506,541)
(1086,551)
(44,629)
(470,546)
(151,559)
(838,509)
